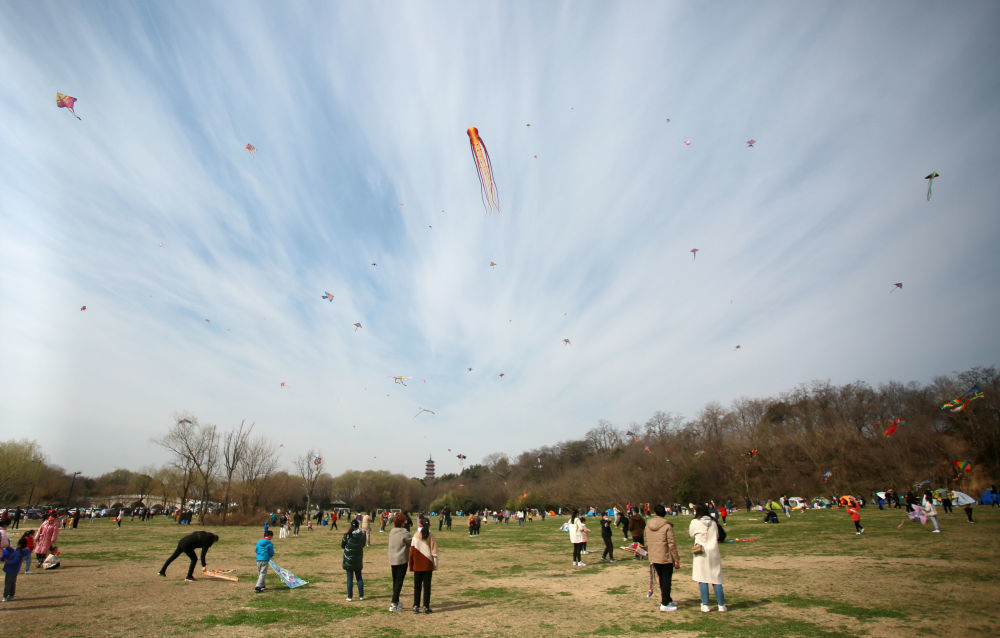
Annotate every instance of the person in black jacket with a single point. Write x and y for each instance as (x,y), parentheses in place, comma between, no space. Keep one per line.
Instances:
(609,550)
(187,545)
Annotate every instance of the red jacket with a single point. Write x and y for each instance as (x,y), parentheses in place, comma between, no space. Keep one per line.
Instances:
(853,511)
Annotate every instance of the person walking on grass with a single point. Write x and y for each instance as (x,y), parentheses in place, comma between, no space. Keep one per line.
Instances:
(47,534)
(930,510)
(187,545)
(29,540)
(636,527)
(706,564)
(606,531)
(399,555)
(265,552)
(663,556)
(852,509)
(423,560)
(576,527)
(12,558)
(353,545)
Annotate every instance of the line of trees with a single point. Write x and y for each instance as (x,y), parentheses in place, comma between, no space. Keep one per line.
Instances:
(799,436)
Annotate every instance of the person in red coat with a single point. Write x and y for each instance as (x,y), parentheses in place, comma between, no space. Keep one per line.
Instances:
(422,562)
(856,517)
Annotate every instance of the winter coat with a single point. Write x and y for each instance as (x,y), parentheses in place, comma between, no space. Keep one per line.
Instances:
(423,553)
(606,528)
(576,530)
(366,523)
(353,544)
(13,558)
(929,508)
(399,546)
(46,535)
(707,566)
(265,549)
(660,542)
(636,524)
(853,511)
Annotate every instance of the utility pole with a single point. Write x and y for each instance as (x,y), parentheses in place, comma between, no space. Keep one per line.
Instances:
(71,483)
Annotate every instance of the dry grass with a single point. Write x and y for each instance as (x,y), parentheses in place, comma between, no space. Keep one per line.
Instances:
(810,576)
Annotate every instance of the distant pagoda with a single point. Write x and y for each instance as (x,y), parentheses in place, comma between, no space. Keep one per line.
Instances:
(429,470)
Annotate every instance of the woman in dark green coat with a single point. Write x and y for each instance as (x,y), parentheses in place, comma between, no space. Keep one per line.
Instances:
(353,544)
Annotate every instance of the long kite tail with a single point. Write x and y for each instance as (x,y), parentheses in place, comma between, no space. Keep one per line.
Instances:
(930,183)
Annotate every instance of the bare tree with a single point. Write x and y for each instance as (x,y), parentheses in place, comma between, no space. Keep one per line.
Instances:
(604,438)
(234,448)
(310,466)
(196,449)
(258,463)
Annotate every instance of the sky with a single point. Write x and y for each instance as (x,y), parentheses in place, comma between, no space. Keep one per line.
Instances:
(202,267)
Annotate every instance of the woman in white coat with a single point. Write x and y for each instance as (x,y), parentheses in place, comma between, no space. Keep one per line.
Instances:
(706,567)
(576,527)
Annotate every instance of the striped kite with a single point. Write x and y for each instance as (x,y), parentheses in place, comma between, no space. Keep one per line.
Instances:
(251,149)
(491,200)
(957,405)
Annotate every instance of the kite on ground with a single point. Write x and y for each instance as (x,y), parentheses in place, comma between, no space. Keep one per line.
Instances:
(930,182)
(286,576)
(751,142)
(64,101)
(400,380)
(963,466)
(647,450)
(251,149)
(422,410)
(491,200)
(694,254)
(566,342)
(356,326)
(327,296)
(82,308)
(221,574)
(895,286)
(957,405)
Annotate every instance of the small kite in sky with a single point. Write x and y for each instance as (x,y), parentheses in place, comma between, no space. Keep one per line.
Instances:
(251,149)
(493,264)
(737,347)
(356,326)
(422,410)
(374,265)
(82,308)
(501,376)
(470,369)
(751,142)
(687,143)
(64,101)
(957,405)
(566,342)
(208,321)
(282,384)
(327,296)
(400,380)
(491,200)
(893,425)
(668,120)
(896,286)
(930,182)
(694,254)
(963,466)
(528,124)
(751,453)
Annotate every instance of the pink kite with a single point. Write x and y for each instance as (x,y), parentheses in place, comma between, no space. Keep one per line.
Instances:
(64,101)
(694,254)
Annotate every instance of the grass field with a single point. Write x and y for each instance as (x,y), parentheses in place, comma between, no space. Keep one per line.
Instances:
(808,576)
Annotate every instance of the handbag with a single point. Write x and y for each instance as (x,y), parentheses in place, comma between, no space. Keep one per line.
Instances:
(722,533)
(697,549)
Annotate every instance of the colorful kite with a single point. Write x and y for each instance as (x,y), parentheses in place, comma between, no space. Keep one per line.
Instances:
(930,182)
(687,143)
(893,424)
(896,286)
(493,264)
(327,296)
(646,449)
(963,466)
(751,142)
(221,574)
(694,254)
(251,149)
(501,376)
(827,475)
(400,380)
(491,201)
(64,101)
(286,576)
(751,453)
(957,405)
(282,384)
(356,326)
(422,410)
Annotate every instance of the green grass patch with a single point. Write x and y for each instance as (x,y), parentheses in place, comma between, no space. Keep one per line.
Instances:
(618,591)
(841,608)
(490,593)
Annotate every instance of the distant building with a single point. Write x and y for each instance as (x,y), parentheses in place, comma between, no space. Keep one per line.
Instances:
(429,470)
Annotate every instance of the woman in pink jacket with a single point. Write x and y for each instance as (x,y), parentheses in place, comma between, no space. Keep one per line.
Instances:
(47,534)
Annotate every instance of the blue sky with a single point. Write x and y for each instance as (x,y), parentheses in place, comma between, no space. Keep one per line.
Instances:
(360,111)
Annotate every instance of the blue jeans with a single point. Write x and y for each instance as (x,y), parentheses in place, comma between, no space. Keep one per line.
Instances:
(719,598)
(351,576)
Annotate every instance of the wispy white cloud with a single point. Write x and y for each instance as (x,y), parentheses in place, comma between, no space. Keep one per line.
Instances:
(359,115)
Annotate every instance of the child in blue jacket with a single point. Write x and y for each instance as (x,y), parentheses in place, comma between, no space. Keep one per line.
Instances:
(265,551)
(12,559)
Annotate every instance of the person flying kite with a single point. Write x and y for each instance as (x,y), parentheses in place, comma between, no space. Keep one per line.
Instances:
(64,101)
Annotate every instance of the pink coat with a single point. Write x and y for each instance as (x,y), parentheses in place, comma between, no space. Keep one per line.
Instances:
(45,536)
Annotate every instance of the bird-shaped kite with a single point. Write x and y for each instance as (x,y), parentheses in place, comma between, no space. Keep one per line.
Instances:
(493,264)
(64,101)
(422,410)
(400,380)
(694,254)
(930,182)
(751,142)
(327,296)
(356,326)
(896,286)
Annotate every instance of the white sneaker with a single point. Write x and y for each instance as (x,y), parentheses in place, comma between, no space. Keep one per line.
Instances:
(581,564)
(722,608)
(935,531)
(857,533)
(670,607)
(575,563)
(349,599)
(706,608)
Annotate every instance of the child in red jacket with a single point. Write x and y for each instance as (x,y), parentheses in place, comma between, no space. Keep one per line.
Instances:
(853,511)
